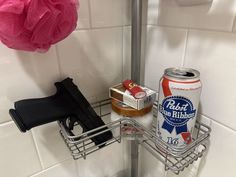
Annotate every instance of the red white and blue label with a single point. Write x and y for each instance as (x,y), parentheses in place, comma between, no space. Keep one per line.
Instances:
(177,111)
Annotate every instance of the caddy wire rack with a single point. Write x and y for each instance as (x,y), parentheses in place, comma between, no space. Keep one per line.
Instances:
(80,144)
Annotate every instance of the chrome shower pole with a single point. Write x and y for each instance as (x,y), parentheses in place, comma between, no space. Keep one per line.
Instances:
(135,70)
(136,40)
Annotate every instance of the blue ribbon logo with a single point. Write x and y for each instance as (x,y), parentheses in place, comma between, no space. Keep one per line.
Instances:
(177,111)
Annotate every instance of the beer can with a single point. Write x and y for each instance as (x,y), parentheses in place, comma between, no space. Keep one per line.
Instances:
(178,100)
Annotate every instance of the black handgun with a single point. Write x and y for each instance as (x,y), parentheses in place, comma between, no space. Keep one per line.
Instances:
(67,103)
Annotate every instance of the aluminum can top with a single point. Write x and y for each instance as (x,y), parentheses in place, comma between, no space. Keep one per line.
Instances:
(182,74)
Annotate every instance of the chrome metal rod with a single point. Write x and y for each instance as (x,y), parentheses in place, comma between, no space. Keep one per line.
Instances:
(134,158)
(136,40)
(135,70)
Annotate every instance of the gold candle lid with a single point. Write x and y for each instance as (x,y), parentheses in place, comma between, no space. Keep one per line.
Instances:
(124,110)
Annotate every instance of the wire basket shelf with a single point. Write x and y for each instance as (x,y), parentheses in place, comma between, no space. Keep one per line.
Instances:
(174,159)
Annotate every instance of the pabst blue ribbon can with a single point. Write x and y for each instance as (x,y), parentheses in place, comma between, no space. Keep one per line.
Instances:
(179,94)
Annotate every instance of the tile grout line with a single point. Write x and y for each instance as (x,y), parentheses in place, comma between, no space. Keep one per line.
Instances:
(166,172)
(90,14)
(58,61)
(49,168)
(37,150)
(101,28)
(123,55)
(168,26)
(192,29)
(6,122)
(76,168)
(144,36)
(185,49)
(81,29)
(232,29)
(161,26)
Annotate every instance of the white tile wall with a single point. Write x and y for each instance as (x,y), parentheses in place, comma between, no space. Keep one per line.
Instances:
(51,147)
(220,160)
(22,76)
(93,58)
(83,15)
(152,12)
(234,27)
(218,15)
(191,171)
(82,56)
(126,53)
(65,169)
(213,54)
(109,12)
(105,162)
(193,2)
(17,151)
(150,166)
(164,48)
(127,12)
(211,51)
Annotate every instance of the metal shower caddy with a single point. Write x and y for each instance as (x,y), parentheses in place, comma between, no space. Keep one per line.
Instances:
(80,144)
(175,160)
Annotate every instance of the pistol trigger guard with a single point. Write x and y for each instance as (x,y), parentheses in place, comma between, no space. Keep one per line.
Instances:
(71,123)
(64,123)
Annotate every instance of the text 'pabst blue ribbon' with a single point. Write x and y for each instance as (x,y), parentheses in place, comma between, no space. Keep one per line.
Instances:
(177,111)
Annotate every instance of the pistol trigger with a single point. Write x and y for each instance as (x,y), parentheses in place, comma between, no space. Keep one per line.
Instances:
(76,120)
(72,121)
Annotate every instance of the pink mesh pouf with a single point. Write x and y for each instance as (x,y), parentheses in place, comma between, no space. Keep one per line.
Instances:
(34,25)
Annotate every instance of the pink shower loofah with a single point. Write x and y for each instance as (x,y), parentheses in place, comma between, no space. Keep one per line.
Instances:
(36,24)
